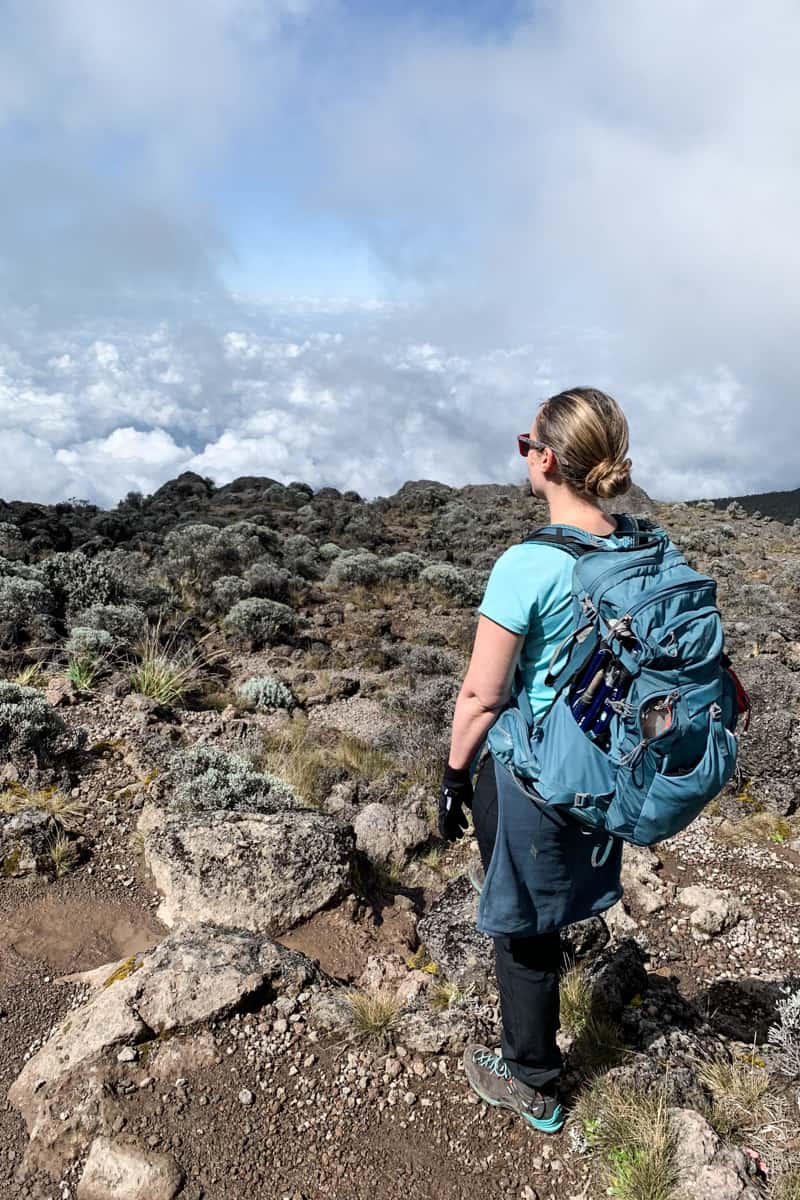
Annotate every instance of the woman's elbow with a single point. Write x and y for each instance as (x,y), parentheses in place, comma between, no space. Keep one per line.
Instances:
(488,700)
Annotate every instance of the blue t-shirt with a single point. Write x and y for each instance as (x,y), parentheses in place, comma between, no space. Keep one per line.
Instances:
(530,591)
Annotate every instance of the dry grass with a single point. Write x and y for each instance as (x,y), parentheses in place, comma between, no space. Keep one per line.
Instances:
(15,797)
(85,672)
(358,757)
(787,1186)
(31,676)
(629,1131)
(444,994)
(740,1096)
(294,754)
(62,855)
(755,827)
(372,1014)
(575,1000)
(167,669)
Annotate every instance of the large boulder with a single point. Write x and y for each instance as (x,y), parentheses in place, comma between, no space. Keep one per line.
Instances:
(770,753)
(388,835)
(199,973)
(643,886)
(262,871)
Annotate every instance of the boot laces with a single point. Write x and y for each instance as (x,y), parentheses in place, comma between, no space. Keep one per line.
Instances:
(492,1062)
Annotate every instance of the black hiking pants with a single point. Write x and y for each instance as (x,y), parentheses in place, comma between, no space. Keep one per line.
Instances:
(527,970)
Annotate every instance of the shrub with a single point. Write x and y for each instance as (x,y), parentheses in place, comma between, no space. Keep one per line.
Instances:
(266,580)
(784,1036)
(329,550)
(301,558)
(264,691)
(77,582)
(260,621)
(205,779)
(197,555)
(451,582)
(88,645)
(404,566)
(28,725)
(25,606)
(125,622)
(227,591)
(355,567)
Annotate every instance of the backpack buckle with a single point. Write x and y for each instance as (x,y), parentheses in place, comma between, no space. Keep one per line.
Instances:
(581,799)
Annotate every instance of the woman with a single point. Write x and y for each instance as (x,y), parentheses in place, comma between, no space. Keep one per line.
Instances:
(576,455)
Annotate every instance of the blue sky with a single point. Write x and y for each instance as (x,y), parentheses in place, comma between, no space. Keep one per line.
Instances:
(221,223)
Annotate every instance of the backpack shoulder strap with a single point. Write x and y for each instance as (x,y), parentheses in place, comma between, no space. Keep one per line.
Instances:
(556,535)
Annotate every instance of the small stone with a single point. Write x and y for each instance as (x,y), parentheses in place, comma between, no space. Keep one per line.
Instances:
(409,1098)
(127,1054)
(246,1096)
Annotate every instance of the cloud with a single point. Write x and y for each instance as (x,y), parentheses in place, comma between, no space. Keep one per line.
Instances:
(586,193)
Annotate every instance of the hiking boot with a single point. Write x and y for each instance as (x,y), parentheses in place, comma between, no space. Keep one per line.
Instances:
(490,1077)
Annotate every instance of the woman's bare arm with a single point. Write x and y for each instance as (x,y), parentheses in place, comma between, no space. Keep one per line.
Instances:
(485,690)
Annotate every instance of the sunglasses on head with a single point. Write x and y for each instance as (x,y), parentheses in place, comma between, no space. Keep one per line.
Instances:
(527,443)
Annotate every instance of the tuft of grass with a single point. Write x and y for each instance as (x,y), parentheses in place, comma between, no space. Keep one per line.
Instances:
(444,994)
(61,855)
(31,676)
(433,857)
(166,671)
(373,1014)
(598,1039)
(16,796)
(358,757)
(575,1000)
(84,672)
(294,754)
(739,1096)
(629,1131)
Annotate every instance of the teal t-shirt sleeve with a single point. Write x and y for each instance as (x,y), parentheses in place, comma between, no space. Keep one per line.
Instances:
(505,600)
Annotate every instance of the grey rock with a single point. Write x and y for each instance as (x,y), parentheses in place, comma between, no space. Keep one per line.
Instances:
(24,840)
(696,1143)
(124,1171)
(643,887)
(712,912)
(197,974)
(388,835)
(448,932)
(616,976)
(262,871)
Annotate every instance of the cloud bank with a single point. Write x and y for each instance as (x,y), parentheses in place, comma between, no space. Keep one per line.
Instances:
(583,193)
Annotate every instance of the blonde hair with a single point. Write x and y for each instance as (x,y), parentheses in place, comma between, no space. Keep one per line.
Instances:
(588,433)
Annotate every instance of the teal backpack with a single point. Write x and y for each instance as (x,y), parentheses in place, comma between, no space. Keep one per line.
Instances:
(640,734)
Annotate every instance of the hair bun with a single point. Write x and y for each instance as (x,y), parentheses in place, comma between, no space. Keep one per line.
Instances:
(610,477)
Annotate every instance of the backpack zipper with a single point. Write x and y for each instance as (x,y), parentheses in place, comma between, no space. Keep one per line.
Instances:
(597,598)
(669,591)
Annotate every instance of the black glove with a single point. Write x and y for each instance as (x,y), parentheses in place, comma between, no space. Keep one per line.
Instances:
(455,792)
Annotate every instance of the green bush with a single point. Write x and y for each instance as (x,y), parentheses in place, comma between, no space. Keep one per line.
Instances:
(25,610)
(264,691)
(195,556)
(451,582)
(260,622)
(77,582)
(125,622)
(29,725)
(404,566)
(227,591)
(205,779)
(267,581)
(88,645)
(355,567)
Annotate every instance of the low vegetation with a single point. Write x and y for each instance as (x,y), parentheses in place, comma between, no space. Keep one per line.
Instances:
(628,1131)
(372,1014)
